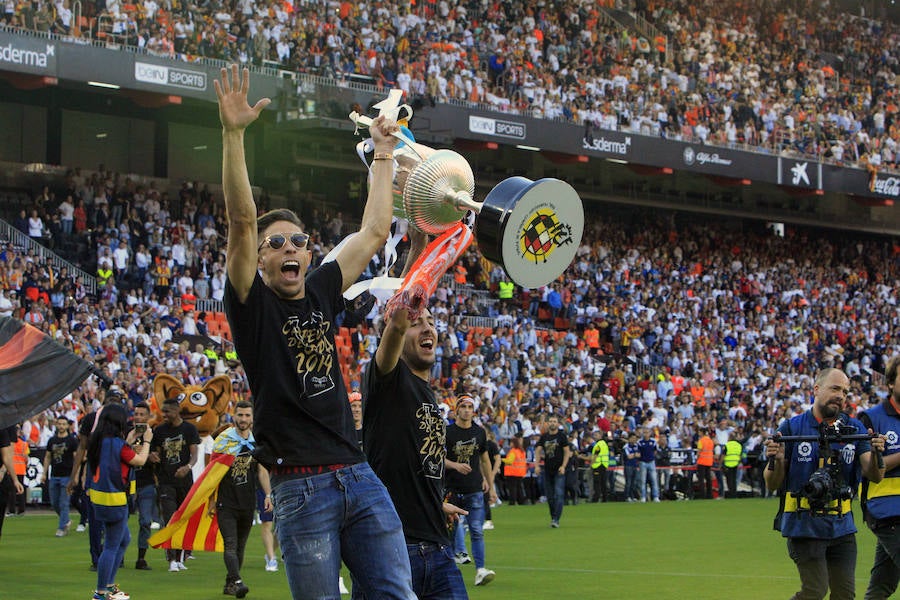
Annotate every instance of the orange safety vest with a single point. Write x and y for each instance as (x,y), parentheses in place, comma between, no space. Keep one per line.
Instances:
(519,466)
(705,457)
(20,456)
(592,337)
(34,436)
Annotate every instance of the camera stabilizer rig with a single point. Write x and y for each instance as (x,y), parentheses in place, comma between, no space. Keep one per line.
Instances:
(826,484)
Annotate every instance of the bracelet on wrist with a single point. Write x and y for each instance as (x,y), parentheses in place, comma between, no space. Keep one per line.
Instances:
(383,156)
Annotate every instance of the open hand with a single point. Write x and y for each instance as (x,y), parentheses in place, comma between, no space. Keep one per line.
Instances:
(234,110)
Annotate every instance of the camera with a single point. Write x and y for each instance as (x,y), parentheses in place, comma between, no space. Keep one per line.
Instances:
(825,488)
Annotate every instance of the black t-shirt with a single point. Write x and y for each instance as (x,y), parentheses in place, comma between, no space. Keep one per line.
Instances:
(173,444)
(554,445)
(237,490)
(301,412)
(493,451)
(143,476)
(465,446)
(404,436)
(62,454)
(7,435)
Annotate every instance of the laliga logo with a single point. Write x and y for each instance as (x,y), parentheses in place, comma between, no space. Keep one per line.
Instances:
(542,234)
(804,449)
(848,453)
(891,438)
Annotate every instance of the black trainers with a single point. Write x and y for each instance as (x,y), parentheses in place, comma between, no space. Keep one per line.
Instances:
(236,589)
(141,565)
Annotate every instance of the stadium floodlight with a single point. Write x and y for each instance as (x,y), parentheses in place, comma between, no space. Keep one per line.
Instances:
(617,161)
(101,84)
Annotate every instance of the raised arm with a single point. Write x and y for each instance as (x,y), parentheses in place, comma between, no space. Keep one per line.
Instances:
(376,219)
(236,114)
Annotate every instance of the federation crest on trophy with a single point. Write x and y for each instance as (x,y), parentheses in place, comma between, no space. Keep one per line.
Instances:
(531,228)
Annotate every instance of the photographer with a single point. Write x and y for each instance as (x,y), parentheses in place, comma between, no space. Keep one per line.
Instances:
(816,516)
(881,500)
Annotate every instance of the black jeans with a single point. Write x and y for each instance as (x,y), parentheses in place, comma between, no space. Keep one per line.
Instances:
(825,564)
(599,485)
(886,570)
(170,498)
(731,479)
(704,477)
(515,494)
(234,525)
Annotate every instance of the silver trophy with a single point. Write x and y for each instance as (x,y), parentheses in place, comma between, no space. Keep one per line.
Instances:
(531,228)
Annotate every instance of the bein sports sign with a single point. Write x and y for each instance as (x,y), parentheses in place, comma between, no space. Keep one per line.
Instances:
(169,76)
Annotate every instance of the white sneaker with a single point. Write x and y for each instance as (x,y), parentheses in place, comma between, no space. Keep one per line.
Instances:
(154,525)
(462,558)
(80,528)
(488,525)
(271,564)
(344,590)
(173,566)
(181,567)
(656,499)
(484,576)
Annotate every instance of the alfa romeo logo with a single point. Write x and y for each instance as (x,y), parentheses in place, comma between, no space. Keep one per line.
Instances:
(688,156)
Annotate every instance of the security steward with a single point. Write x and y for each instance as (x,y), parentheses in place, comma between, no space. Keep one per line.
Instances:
(881,500)
(821,543)
(731,462)
(599,465)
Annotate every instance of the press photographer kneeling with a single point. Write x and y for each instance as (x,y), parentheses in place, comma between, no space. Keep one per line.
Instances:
(816,461)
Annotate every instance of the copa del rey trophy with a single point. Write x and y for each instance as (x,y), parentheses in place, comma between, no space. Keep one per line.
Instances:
(531,228)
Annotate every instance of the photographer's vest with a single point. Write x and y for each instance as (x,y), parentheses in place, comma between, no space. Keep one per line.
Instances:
(107,486)
(882,499)
(802,460)
(733,451)
(600,452)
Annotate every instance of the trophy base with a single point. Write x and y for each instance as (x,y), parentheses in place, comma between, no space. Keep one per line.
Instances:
(532,228)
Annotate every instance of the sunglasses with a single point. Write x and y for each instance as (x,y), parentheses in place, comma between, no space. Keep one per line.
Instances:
(277,240)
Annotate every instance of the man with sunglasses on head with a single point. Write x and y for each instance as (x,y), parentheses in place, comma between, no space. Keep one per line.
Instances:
(329,505)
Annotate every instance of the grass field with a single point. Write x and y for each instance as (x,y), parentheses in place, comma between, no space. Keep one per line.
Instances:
(679,550)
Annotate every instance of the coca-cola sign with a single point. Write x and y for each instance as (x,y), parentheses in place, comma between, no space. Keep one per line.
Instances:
(887,187)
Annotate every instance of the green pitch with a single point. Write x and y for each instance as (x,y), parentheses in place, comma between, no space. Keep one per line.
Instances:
(673,550)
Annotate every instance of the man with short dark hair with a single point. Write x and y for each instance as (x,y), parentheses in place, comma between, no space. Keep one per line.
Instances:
(470,475)
(236,497)
(553,450)
(59,457)
(282,318)
(145,491)
(173,453)
(404,436)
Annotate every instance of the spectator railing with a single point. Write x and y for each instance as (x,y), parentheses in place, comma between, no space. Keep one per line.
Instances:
(210,305)
(20,240)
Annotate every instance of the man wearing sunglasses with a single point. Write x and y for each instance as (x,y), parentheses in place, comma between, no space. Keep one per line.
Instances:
(329,504)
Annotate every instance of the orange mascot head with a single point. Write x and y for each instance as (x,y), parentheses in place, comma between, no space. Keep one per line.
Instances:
(200,406)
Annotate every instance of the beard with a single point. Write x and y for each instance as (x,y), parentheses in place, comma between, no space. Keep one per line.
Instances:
(830,411)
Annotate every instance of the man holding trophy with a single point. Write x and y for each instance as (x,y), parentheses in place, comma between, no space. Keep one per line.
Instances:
(328,503)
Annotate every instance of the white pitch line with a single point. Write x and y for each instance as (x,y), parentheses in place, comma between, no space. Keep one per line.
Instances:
(658,573)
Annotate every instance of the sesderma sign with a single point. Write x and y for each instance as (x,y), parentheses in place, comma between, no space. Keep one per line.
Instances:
(29,53)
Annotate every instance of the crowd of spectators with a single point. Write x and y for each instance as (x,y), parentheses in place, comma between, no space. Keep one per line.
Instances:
(662,322)
(774,75)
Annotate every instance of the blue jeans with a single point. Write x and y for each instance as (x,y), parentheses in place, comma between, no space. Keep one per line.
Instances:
(434,572)
(555,488)
(96,533)
(630,476)
(59,499)
(474,504)
(346,514)
(648,469)
(115,520)
(146,503)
